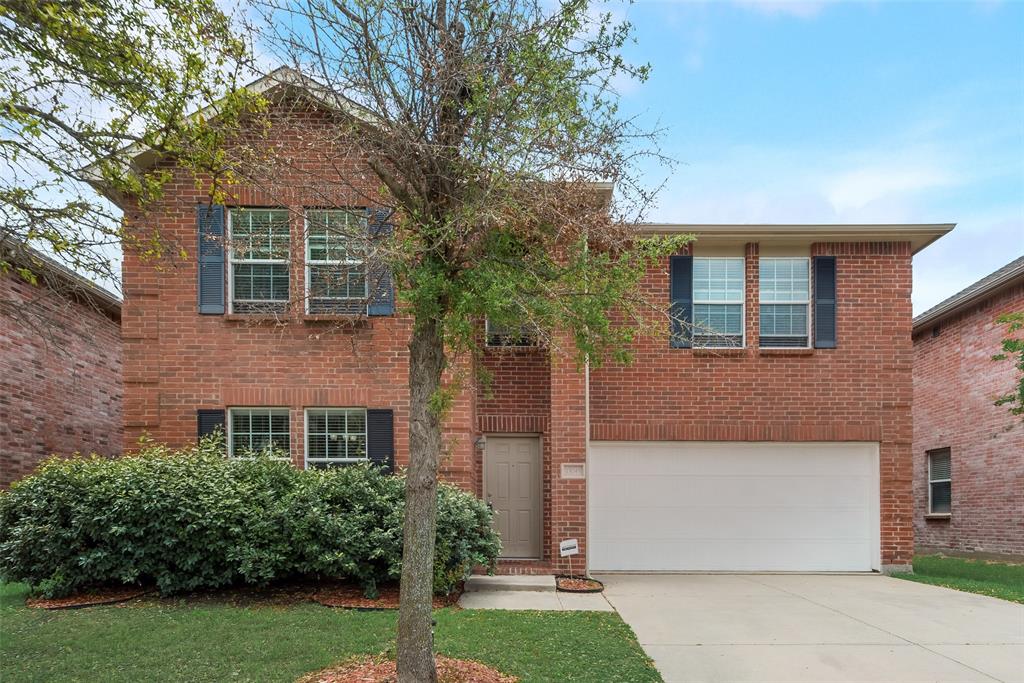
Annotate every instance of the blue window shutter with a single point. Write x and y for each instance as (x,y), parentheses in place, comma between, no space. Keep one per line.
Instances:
(825,302)
(209,421)
(681,296)
(210,224)
(381,297)
(380,438)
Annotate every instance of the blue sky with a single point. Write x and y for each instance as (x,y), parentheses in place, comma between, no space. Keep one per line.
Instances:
(873,112)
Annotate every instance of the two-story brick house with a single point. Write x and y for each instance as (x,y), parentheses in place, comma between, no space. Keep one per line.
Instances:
(968,452)
(779,440)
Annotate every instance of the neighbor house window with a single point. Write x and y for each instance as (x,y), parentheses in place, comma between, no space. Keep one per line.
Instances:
(717,302)
(260,244)
(336,261)
(785,287)
(255,430)
(940,482)
(335,436)
(510,335)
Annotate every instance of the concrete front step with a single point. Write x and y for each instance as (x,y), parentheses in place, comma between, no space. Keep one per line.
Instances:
(518,582)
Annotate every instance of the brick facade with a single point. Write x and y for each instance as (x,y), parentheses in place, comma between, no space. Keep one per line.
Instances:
(955,384)
(177,361)
(60,377)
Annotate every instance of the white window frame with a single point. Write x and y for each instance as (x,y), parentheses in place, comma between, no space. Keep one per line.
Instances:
(347,262)
(742,304)
(232,260)
(948,452)
(341,461)
(785,303)
(231,424)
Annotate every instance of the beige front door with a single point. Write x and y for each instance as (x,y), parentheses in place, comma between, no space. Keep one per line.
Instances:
(512,487)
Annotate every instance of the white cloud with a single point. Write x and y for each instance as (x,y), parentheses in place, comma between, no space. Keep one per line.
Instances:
(859,187)
(802,9)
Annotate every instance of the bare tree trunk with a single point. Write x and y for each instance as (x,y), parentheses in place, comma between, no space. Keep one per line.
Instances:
(415,637)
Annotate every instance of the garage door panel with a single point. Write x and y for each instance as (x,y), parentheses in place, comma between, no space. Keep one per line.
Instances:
(726,523)
(709,555)
(707,490)
(732,506)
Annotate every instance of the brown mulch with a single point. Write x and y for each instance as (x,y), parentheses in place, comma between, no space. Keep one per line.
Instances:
(280,595)
(351,596)
(379,670)
(99,596)
(566,583)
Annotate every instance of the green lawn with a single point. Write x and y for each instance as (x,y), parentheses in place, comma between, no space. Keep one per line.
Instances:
(997,579)
(162,641)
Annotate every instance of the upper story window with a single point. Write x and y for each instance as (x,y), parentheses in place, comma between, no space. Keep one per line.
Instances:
(509,335)
(718,302)
(336,261)
(335,436)
(254,430)
(260,244)
(940,482)
(785,302)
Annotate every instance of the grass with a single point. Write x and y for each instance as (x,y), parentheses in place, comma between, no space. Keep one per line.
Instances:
(996,579)
(176,641)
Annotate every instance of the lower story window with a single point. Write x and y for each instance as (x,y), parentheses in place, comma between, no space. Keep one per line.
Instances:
(335,436)
(940,482)
(257,430)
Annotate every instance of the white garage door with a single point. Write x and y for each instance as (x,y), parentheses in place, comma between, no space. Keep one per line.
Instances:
(731,506)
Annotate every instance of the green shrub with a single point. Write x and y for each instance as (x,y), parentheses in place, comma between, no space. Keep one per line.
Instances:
(190,519)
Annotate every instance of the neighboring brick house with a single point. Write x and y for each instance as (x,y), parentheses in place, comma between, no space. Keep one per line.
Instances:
(788,449)
(60,365)
(968,452)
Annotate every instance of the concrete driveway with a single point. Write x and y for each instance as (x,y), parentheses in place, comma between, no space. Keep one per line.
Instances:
(716,627)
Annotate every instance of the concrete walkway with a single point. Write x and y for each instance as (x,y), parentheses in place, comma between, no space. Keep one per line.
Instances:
(700,627)
(527,592)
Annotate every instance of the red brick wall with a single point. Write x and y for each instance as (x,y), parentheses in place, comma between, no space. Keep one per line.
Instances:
(60,378)
(860,391)
(177,361)
(955,384)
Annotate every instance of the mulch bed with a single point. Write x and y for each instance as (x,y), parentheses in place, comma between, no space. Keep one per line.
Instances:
(99,596)
(351,596)
(575,584)
(380,670)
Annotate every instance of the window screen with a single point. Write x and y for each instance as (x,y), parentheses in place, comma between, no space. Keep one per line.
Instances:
(254,430)
(718,302)
(260,243)
(940,482)
(785,297)
(509,335)
(335,436)
(335,261)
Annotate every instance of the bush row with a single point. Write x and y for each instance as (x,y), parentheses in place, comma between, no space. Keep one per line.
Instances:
(191,519)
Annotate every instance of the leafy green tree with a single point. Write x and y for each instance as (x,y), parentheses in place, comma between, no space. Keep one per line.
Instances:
(86,85)
(1013,350)
(486,124)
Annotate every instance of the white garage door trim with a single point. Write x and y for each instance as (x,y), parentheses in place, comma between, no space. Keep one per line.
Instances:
(710,530)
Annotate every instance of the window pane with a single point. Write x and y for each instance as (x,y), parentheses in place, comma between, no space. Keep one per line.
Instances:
(940,465)
(260,234)
(336,434)
(254,429)
(341,281)
(718,279)
(718,318)
(784,280)
(260,282)
(336,235)
(784,319)
(941,497)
